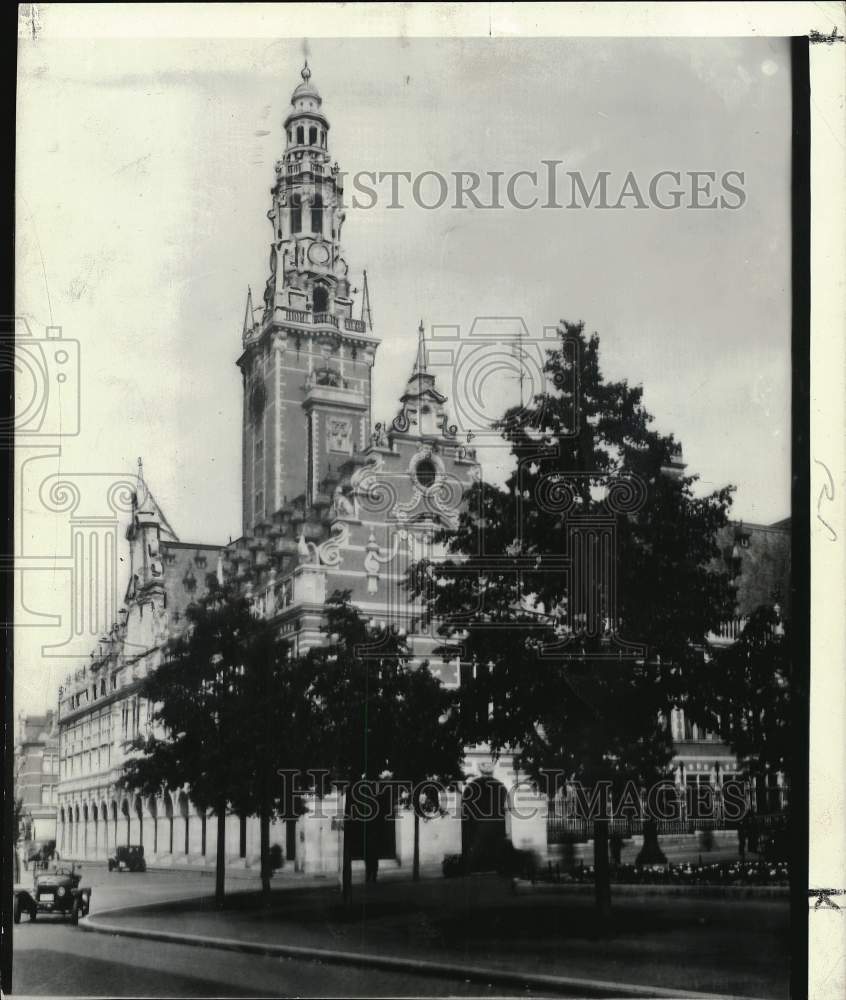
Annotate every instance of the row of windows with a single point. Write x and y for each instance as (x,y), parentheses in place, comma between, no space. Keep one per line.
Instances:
(131,717)
(88,762)
(93,735)
(88,695)
(91,731)
(683,729)
(316,136)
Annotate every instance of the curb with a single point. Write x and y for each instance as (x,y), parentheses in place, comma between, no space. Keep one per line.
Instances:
(523,887)
(471,973)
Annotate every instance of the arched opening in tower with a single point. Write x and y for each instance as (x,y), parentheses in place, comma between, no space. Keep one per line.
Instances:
(317,215)
(321,299)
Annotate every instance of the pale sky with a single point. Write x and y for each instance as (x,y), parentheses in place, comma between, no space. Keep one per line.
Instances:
(144,170)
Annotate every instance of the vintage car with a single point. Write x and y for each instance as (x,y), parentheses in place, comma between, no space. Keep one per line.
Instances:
(56,891)
(128,859)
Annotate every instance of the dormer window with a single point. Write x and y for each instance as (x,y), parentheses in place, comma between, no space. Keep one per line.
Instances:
(427,420)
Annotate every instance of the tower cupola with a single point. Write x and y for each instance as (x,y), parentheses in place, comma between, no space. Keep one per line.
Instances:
(306,126)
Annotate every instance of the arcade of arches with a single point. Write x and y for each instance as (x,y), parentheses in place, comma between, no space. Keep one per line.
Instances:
(168,827)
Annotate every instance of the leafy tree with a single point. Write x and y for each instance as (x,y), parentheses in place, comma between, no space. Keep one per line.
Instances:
(351,707)
(224,699)
(431,748)
(370,715)
(746,694)
(578,663)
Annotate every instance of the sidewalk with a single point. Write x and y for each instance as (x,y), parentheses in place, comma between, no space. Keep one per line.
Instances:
(738,947)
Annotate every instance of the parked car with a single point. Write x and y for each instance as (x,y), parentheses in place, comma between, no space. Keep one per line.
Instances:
(128,859)
(55,892)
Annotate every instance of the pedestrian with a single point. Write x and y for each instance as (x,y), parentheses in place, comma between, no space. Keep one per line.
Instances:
(371,855)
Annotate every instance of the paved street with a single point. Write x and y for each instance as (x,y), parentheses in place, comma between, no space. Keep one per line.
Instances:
(53,958)
(61,960)
(732,946)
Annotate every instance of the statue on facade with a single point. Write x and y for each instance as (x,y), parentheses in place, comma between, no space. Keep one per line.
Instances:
(342,504)
(379,437)
(307,551)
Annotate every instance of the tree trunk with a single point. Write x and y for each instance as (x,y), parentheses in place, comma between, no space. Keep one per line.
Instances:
(601,869)
(264,807)
(346,872)
(415,866)
(264,824)
(220,856)
(650,853)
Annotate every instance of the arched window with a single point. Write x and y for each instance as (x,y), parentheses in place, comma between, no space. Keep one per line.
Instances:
(296,214)
(290,136)
(300,135)
(317,215)
(323,138)
(321,299)
(312,136)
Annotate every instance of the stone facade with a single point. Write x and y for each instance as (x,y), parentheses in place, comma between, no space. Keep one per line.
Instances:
(330,502)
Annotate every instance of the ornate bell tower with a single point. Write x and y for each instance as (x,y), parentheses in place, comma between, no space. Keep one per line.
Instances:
(307,361)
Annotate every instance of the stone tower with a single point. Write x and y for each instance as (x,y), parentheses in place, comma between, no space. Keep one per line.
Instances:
(307,362)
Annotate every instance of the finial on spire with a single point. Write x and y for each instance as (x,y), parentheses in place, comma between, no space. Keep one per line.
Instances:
(420,363)
(366,313)
(249,319)
(140,487)
(305,73)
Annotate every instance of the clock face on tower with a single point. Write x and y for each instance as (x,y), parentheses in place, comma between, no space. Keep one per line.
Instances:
(318,253)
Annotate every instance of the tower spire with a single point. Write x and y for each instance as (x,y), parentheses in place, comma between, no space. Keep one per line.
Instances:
(248,313)
(420,362)
(366,313)
(144,496)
